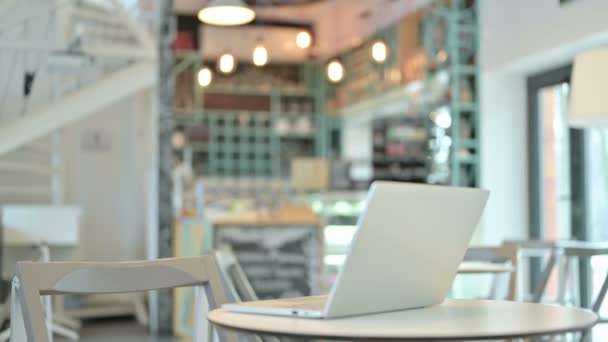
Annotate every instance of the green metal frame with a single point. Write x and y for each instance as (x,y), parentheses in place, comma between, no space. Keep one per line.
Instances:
(390,36)
(253,149)
(459,20)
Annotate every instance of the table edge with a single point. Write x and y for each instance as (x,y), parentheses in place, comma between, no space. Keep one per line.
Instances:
(536,333)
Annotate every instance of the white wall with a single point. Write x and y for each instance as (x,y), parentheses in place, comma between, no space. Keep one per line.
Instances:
(520,38)
(109,184)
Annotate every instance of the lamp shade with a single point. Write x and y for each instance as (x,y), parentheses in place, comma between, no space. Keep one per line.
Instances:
(589,89)
(226,13)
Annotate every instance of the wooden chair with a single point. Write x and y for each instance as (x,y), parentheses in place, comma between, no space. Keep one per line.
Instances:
(35,279)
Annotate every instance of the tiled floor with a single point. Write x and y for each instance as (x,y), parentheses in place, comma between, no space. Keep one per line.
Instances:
(117,330)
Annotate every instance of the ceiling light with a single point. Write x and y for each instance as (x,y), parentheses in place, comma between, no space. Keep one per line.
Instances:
(442,56)
(260,55)
(303,39)
(226,13)
(226,63)
(179,138)
(442,117)
(204,77)
(379,51)
(335,71)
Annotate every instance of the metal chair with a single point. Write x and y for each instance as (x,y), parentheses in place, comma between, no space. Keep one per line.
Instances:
(494,255)
(35,279)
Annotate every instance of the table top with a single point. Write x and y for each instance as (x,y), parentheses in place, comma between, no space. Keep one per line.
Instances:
(455,319)
(471,267)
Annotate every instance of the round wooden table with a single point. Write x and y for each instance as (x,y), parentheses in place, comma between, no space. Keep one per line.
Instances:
(455,319)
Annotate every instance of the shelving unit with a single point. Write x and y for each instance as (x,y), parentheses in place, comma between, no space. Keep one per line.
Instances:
(451,45)
(253,122)
(400,149)
(364,78)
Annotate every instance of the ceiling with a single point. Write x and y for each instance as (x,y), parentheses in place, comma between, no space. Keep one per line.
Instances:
(280,2)
(338,24)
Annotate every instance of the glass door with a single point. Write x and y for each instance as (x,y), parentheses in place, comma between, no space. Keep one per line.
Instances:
(555,204)
(596,153)
(554,167)
(568,181)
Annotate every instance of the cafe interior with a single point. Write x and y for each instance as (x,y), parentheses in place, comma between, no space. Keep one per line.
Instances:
(275,149)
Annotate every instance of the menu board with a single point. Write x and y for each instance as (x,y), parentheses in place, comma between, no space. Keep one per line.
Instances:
(280,261)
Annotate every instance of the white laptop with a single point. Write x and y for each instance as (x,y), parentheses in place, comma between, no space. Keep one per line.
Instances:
(409,243)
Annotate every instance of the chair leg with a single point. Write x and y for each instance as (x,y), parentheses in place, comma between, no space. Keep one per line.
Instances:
(564,275)
(66,321)
(17,329)
(48,315)
(542,286)
(140,310)
(65,332)
(201,330)
(5,335)
(576,279)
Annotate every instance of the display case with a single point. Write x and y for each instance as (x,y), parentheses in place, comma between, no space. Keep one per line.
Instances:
(339,212)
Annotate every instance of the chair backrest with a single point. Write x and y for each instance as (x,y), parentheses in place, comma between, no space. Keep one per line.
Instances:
(34,279)
(485,254)
(235,279)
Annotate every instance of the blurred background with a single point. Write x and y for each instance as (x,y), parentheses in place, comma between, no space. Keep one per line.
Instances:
(134,129)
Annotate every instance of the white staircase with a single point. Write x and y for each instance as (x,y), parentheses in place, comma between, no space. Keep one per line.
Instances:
(32,173)
(86,55)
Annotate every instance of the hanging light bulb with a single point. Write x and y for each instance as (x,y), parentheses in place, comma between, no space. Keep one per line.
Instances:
(260,55)
(442,117)
(303,39)
(179,138)
(204,77)
(335,71)
(226,13)
(379,51)
(226,63)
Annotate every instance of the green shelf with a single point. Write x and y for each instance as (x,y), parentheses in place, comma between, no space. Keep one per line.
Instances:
(245,143)
(455,18)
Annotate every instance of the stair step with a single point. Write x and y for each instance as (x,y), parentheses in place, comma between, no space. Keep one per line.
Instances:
(33,168)
(75,106)
(25,190)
